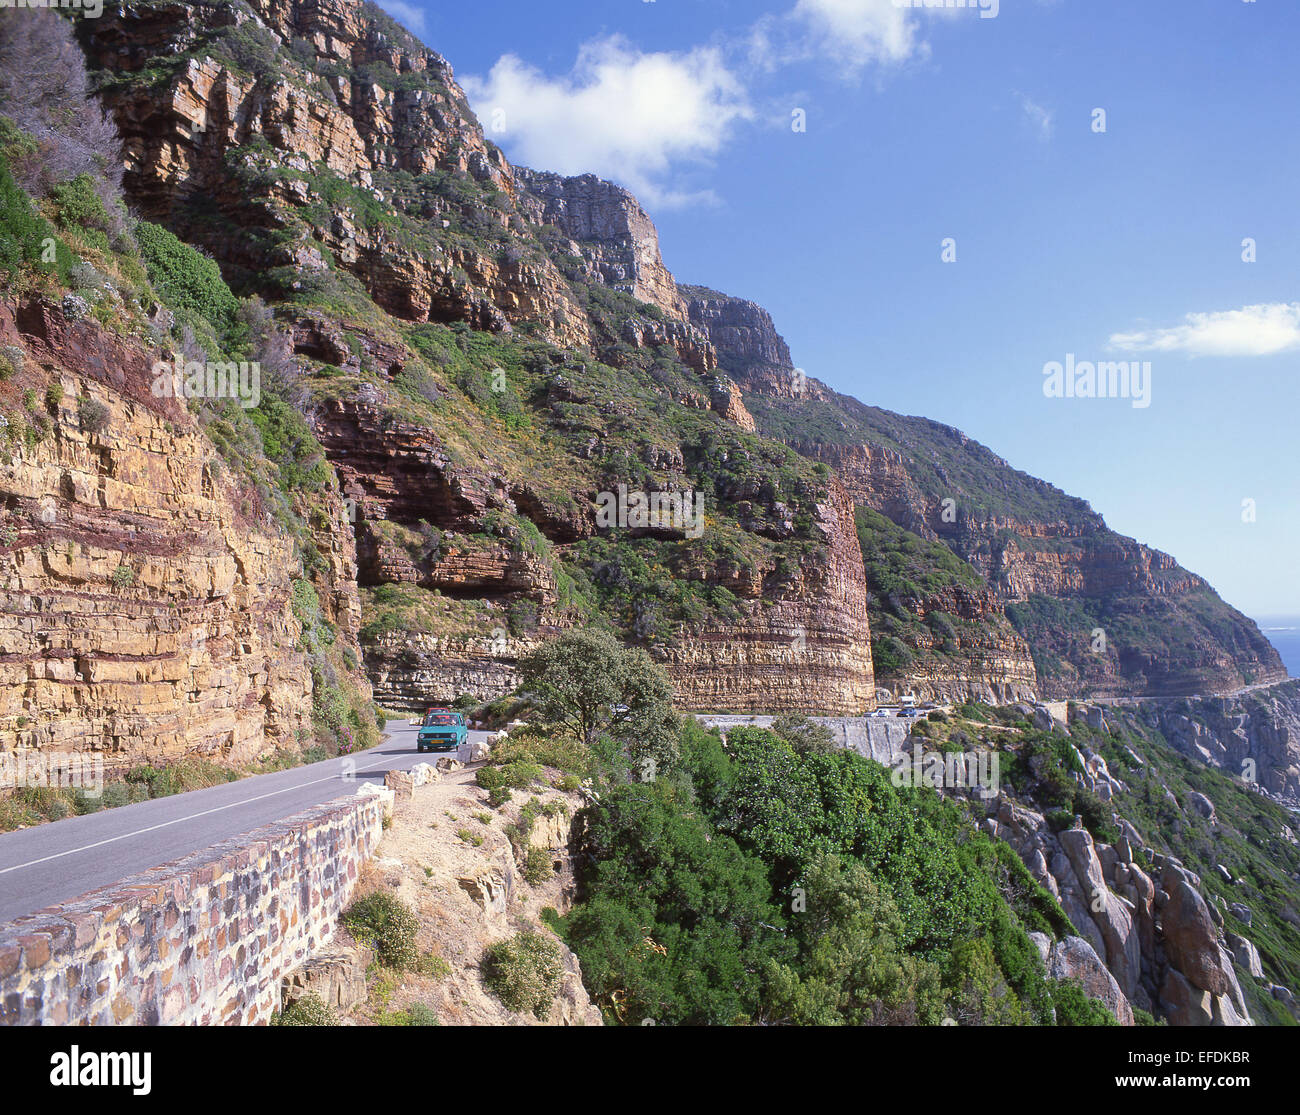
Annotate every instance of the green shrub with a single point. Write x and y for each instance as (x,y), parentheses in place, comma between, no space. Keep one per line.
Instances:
(26,238)
(524,972)
(310,1010)
(538,867)
(422,1015)
(54,395)
(92,414)
(435,967)
(1074,1008)
(78,206)
(185,278)
(388,925)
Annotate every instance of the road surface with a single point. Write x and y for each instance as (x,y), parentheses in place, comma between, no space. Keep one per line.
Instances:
(52,863)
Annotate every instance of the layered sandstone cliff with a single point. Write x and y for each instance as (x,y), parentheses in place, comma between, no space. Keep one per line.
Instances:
(146,607)
(1100,612)
(321,153)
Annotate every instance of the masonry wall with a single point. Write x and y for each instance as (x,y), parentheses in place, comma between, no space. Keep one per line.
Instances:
(203,940)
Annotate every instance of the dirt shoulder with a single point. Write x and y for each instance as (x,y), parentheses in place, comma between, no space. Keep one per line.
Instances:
(447,855)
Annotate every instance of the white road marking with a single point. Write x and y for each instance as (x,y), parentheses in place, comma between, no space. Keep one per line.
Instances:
(166,824)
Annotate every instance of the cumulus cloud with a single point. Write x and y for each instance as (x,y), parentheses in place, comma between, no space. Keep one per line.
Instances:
(410,16)
(850,34)
(621,113)
(1262,330)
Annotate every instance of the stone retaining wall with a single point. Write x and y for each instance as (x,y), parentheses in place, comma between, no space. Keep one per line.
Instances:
(879,738)
(204,940)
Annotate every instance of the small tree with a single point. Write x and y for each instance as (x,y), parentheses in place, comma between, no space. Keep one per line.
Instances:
(591,684)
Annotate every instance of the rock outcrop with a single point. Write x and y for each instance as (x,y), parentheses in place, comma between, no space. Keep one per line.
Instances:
(146,606)
(1042,553)
(1254,736)
(1140,912)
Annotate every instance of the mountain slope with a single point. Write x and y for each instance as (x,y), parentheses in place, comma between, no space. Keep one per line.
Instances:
(488,348)
(1061,576)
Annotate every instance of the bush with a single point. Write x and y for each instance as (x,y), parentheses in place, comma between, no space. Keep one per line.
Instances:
(307,1011)
(387,924)
(1074,1008)
(24,235)
(524,972)
(79,206)
(538,867)
(92,414)
(185,278)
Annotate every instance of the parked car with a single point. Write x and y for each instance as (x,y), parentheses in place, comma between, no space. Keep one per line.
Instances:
(442,730)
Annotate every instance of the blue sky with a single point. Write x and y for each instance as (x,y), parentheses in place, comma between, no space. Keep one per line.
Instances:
(1122,244)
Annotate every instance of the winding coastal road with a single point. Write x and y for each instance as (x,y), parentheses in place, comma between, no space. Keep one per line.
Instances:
(56,862)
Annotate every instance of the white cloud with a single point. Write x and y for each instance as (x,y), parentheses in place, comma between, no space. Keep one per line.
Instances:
(1040,119)
(851,34)
(409,16)
(1262,330)
(621,113)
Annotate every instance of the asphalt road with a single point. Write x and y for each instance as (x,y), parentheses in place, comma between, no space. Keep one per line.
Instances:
(55,862)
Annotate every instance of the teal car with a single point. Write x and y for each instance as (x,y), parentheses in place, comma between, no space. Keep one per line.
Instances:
(442,730)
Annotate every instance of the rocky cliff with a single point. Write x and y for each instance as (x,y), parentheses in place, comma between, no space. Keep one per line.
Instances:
(146,607)
(1098,611)
(1255,736)
(488,348)
(341,168)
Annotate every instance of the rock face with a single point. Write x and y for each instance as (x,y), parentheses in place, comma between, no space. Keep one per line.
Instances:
(747,343)
(1255,735)
(615,236)
(1074,959)
(1151,927)
(809,651)
(314,146)
(1031,543)
(147,606)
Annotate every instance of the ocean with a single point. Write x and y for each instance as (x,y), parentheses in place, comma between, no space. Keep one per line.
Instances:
(1284,633)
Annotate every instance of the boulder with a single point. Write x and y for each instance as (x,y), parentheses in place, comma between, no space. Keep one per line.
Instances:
(1110,912)
(336,975)
(1183,1004)
(1241,912)
(1203,806)
(424,773)
(1074,959)
(1043,943)
(490,889)
(1245,954)
(1191,939)
(474,752)
(401,782)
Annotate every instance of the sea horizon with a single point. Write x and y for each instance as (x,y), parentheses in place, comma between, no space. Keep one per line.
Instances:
(1284,633)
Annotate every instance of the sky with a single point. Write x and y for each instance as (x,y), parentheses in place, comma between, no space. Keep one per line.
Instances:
(938,206)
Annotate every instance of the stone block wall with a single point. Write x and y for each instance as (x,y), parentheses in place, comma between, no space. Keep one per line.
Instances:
(204,940)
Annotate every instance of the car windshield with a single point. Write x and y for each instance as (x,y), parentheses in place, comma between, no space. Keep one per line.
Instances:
(439,718)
